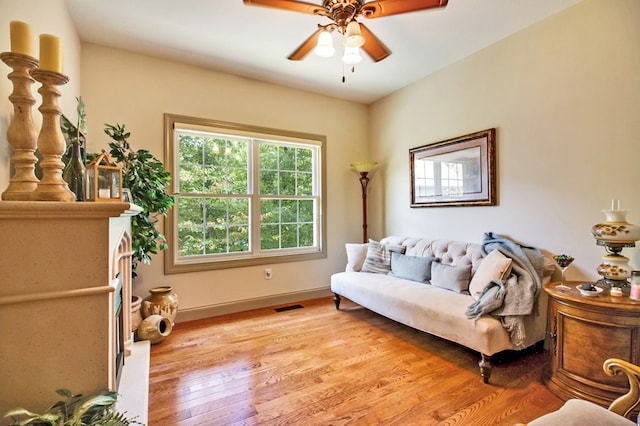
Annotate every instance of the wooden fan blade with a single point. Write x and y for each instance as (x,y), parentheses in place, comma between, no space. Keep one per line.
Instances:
(306,46)
(378,8)
(373,46)
(292,5)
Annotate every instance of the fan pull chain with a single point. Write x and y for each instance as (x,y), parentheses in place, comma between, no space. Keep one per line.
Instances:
(353,69)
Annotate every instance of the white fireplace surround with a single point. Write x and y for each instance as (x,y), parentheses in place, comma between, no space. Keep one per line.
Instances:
(60,264)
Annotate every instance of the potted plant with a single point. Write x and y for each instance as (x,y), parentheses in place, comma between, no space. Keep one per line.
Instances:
(147,180)
(75,410)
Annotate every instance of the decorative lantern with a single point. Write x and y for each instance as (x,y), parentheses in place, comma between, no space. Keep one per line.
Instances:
(104,180)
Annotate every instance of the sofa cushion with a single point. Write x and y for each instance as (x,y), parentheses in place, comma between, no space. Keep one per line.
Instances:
(379,257)
(454,278)
(548,267)
(356,255)
(425,307)
(496,266)
(412,268)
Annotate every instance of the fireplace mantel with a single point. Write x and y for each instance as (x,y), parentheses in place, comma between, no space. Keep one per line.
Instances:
(58,294)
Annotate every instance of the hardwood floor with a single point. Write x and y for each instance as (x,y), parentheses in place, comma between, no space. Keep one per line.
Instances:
(320,366)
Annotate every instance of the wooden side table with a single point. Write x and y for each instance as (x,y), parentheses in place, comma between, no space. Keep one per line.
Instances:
(585,331)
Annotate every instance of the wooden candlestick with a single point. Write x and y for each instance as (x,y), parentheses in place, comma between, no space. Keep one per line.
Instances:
(21,133)
(51,142)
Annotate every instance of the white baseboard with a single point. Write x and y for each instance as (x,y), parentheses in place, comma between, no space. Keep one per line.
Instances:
(248,304)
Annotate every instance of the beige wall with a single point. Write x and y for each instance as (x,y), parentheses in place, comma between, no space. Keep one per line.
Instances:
(564,96)
(137,90)
(44,17)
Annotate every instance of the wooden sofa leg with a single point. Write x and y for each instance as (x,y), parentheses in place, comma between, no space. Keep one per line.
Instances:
(485,367)
(539,347)
(336,300)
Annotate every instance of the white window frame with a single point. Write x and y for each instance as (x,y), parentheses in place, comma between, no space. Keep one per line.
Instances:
(255,256)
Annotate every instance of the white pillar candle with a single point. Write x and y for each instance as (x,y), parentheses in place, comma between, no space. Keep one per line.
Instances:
(21,39)
(50,53)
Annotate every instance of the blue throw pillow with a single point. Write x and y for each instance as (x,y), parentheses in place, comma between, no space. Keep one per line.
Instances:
(454,278)
(411,267)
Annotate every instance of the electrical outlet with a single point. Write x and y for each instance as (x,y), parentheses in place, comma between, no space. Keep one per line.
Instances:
(267,274)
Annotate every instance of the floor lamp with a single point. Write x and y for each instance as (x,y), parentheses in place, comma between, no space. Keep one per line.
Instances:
(364,167)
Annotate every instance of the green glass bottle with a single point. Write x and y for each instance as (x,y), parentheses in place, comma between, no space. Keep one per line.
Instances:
(75,173)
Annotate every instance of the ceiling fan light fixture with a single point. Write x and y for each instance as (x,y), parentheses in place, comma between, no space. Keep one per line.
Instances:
(343,15)
(324,48)
(351,56)
(353,35)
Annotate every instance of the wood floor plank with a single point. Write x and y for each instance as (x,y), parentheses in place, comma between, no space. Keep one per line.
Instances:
(321,366)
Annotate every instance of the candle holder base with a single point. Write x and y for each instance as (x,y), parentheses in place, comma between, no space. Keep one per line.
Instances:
(51,142)
(21,134)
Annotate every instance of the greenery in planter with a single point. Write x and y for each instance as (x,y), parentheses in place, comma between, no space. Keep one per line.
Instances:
(148,181)
(75,410)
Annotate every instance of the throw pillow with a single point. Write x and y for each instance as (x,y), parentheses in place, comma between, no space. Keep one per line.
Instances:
(454,278)
(495,266)
(379,257)
(356,254)
(411,267)
(548,266)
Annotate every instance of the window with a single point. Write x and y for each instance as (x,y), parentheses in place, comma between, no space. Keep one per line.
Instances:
(245,195)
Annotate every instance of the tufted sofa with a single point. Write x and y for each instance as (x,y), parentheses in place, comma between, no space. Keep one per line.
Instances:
(435,308)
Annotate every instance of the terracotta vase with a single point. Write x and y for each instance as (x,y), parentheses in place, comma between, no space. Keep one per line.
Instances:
(136,316)
(161,301)
(154,328)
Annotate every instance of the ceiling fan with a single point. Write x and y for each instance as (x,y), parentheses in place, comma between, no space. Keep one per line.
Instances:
(343,13)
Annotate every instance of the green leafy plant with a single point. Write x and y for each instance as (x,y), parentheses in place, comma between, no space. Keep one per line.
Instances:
(148,181)
(74,410)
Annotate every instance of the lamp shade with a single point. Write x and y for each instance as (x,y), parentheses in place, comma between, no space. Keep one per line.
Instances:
(351,56)
(324,48)
(364,166)
(353,35)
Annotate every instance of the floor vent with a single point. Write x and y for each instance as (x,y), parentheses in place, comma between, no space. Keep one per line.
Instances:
(288,308)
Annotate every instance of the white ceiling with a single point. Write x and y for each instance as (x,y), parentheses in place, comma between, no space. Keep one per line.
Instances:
(254,42)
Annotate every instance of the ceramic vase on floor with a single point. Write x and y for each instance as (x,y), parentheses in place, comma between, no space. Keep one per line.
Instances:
(154,328)
(161,301)
(136,316)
